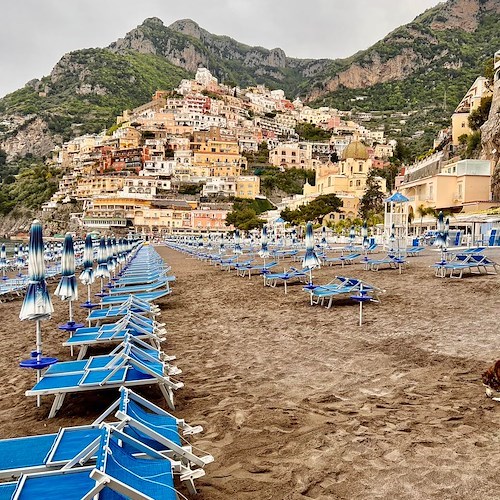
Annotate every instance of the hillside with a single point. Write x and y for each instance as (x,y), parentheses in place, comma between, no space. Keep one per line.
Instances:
(83,93)
(426,65)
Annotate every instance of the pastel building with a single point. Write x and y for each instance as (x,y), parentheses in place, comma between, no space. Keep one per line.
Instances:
(470,102)
(459,186)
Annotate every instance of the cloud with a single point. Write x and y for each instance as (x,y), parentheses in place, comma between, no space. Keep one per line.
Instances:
(35,34)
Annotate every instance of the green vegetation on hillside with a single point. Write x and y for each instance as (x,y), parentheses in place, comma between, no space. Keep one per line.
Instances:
(451,59)
(90,87)
(314,211)
(310,132)
(245,214)
(27,183)
(289,181)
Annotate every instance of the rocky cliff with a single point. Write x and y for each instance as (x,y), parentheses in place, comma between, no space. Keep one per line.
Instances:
(438,54)
(490,140)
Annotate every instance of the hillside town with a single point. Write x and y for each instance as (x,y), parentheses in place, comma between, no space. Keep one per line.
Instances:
(177,163)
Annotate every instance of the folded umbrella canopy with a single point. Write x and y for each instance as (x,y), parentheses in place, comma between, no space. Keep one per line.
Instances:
(3,260)
(310,260)
(87,277)
(67,289)
(37,305)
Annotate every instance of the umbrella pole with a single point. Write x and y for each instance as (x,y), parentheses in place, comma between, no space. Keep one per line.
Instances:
(71,322)
(38,356)
(361,313)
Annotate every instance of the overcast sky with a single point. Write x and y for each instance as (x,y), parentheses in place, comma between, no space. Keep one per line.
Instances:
(35,34)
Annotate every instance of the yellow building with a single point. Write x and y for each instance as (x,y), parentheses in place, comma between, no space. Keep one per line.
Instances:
(164,217)
(470,102)
(462,186)
(348,177)
(248,186)
(98,185)
(216,157)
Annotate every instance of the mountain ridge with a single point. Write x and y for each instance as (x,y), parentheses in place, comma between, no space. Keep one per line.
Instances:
(438,53)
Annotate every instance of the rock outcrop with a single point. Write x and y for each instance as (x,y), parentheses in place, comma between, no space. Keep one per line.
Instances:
(32,136)
(490,140)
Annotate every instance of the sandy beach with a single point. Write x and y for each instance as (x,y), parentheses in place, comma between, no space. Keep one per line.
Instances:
(299,402)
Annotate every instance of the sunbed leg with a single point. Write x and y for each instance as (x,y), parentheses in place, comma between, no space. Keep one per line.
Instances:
(168,395)
(82,352)
(55,406)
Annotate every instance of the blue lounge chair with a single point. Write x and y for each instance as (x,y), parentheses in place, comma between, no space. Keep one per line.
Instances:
(414,251)
(389,262)
(126,468)
(299,275)
(147,296)
(473,263)
(132,324)
(342,259)
(340,287)
(259,268)
(129,364)
(136,416)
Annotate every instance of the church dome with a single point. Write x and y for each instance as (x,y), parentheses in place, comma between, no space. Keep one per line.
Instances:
(355,150)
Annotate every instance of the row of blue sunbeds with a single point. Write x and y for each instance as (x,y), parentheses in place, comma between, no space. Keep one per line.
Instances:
(245,265)
(138,452)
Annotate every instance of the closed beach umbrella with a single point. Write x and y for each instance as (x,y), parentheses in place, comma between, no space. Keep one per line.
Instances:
(237,245)
(87,277)
(264,251)
(109,255)
(323,241)
(364,234)
(37,305)
(352,234)
(3,259)
(440,240)
(310,260)
(102,270)
(392,238)
(67,289)
(222,248)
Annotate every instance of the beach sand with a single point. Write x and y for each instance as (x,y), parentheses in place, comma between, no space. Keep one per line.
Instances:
(299,402)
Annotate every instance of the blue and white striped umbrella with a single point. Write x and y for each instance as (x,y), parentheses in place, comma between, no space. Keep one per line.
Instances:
(441,236)
(37,305)
(323,243)
(237,245)
(87,277)
(364,234)
(264,250)
(392,239)
(102,270)
(67,289)
(352,234)
(3,257)
(109,255)
(310,258)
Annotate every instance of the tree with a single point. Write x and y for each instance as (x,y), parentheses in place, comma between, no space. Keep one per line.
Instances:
(310,132)
(479,115)
(422,211)
(373,199)
(244,219)
(314,211)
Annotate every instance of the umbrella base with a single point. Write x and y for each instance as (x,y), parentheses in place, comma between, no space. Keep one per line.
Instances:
(70,326)
(102,294)
(89,305)
(38,364)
